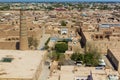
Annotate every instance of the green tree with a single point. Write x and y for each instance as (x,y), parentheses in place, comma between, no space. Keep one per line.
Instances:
(91,59)
(80,57)
(32,42)
(6,7)
(60,57)
(92,55)
(88,58)
(74,57)
(63,23)
(77,57)
(49,8)
(61,47)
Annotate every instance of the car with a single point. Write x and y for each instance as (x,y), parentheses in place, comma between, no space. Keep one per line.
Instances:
(79,63)
(102,62)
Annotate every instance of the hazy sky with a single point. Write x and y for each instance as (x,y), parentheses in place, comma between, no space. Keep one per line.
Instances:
(56,0)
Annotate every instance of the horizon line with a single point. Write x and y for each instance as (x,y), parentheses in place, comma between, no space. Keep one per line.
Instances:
(58,1)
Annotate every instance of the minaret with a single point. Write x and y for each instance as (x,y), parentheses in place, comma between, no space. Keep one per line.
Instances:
(23,31)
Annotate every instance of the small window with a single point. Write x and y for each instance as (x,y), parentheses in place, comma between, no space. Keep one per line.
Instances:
(7,59)
(96,36)
(101,37)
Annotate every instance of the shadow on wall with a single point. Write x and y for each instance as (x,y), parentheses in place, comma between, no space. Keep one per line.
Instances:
(17,45)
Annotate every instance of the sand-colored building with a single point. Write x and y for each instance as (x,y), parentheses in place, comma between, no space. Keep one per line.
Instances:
(101,40)
(21,65)
(84,73)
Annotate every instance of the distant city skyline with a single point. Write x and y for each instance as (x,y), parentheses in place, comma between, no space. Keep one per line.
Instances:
(59,0)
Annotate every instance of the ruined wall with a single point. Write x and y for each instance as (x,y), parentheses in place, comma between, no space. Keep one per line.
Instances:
(9,45)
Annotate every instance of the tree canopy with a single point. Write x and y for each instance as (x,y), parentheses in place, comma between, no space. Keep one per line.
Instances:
(90,57)
(63,23)
(61,47)
(77,57)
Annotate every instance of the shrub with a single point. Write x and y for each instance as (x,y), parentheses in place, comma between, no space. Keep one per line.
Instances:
(77,57)
(91,57)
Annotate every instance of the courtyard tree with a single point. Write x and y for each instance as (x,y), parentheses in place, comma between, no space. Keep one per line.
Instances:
(63,23)
(77,57)
(32,42)
(90,57)
(61,47)
(60,57)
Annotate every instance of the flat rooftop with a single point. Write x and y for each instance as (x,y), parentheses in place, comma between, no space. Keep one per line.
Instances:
(23,65)
(88,35)
(75,72)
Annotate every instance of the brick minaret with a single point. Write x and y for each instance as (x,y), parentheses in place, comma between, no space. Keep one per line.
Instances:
(23,32)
